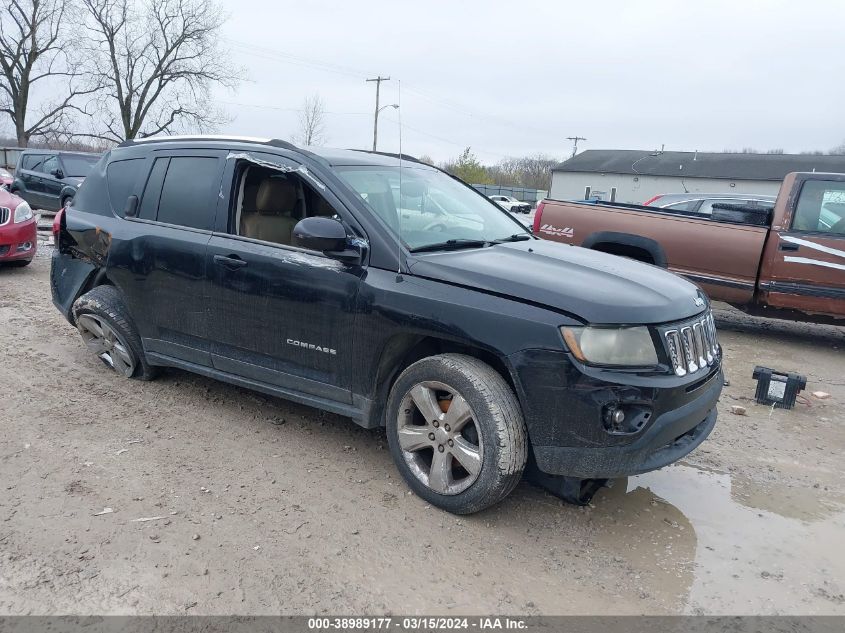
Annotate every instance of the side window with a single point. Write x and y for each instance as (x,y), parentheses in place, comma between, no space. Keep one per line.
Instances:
(34,162)
(267,204)
(707,205)
(821,207)
(186,193)
(27,161)
(152,191)
(687,205)
(50,163)
(121,176)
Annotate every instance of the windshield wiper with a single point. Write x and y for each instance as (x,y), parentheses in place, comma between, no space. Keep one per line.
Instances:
(450,245)
(516,237)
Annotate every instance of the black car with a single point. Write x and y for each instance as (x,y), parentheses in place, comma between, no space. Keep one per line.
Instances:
(48,179)
(383,289)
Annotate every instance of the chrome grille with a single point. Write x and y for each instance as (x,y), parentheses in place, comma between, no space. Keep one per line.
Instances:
(5,214)
(692,345)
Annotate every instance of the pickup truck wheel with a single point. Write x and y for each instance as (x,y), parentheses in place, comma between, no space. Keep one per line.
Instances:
(456,432)
(103,321)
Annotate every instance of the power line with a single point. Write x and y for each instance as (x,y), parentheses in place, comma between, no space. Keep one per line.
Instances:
(405,126)
(284,109)
(278,55)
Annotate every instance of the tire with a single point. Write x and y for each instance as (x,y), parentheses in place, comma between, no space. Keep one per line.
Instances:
(66,202)
(491,440)
(107,329)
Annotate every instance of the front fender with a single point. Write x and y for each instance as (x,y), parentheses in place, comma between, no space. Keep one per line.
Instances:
(17,185)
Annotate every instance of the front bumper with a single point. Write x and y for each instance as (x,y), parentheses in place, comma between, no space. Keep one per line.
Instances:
(18,241)
(563,408)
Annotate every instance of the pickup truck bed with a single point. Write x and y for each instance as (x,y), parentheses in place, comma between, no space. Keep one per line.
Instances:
(776,263)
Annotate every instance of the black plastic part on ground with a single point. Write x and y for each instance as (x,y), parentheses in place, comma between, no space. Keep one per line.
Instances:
(571,489)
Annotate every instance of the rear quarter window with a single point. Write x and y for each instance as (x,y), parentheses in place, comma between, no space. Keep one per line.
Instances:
(92,195)
(121,176)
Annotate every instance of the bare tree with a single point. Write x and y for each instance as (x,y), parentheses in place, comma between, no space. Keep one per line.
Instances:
(312,122)
(156,62)
(534,172)
(33,59)
(839,149)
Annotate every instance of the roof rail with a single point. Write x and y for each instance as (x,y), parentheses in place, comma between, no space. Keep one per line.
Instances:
(392,155)
(274,142)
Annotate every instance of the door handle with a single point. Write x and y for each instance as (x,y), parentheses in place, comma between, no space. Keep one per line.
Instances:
(231,261)
(787,246)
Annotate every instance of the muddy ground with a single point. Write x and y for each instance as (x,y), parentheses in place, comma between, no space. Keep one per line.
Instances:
(268,507)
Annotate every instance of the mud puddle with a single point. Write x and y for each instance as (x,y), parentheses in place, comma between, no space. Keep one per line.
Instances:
(709,542)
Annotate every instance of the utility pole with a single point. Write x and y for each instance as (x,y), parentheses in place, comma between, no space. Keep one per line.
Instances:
(575,140)
(378,81)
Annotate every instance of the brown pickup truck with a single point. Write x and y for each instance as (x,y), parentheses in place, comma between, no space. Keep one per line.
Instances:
(786,262)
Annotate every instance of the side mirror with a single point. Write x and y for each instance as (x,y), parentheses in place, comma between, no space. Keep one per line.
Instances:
(57,173)
(328,236)
(320,234)
(131,208)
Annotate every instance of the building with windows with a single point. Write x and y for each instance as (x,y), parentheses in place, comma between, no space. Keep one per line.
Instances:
(634,176)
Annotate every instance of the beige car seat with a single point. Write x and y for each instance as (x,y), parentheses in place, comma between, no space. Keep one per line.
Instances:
(272,220)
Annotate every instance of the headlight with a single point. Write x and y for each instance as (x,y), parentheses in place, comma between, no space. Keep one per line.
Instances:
(22,212)
(628,346)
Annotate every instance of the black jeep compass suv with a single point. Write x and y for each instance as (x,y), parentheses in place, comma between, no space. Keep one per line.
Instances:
(385,290)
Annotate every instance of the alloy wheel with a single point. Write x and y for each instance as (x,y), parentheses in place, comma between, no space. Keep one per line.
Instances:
(439,438)
(106,343)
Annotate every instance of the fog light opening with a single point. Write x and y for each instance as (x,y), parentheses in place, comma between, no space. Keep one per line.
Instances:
(619,419)
(24,247)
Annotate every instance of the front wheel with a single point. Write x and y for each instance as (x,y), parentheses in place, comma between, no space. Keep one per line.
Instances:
(456,432)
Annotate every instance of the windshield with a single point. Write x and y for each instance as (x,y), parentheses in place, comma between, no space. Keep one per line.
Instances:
(78,166)
(432,209)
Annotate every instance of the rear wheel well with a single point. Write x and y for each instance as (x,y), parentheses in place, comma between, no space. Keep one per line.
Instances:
(625,250)
(404,350)
(99,278)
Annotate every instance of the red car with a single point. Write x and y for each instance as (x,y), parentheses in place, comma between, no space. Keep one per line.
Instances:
(6,178)
(18,230)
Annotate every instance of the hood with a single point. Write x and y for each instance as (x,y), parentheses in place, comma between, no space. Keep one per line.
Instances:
(593,286)
(9,199)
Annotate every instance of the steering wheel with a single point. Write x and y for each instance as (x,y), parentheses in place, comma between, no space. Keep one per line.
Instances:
(434,226)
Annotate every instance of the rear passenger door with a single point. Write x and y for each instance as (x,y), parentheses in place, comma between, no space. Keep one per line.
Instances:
(29,174)
(52,186)
(163,261)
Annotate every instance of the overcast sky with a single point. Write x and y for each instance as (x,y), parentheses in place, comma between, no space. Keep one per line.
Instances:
(515,78)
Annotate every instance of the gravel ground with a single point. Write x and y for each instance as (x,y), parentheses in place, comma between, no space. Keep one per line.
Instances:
(186,495)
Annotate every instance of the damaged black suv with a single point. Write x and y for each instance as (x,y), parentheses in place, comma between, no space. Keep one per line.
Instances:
(385,290)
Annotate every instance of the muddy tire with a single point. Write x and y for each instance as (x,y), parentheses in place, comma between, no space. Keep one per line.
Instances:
(456,432)
(107,330)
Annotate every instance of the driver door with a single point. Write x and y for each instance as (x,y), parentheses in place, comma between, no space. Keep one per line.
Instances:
(804,264)
(280,315)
